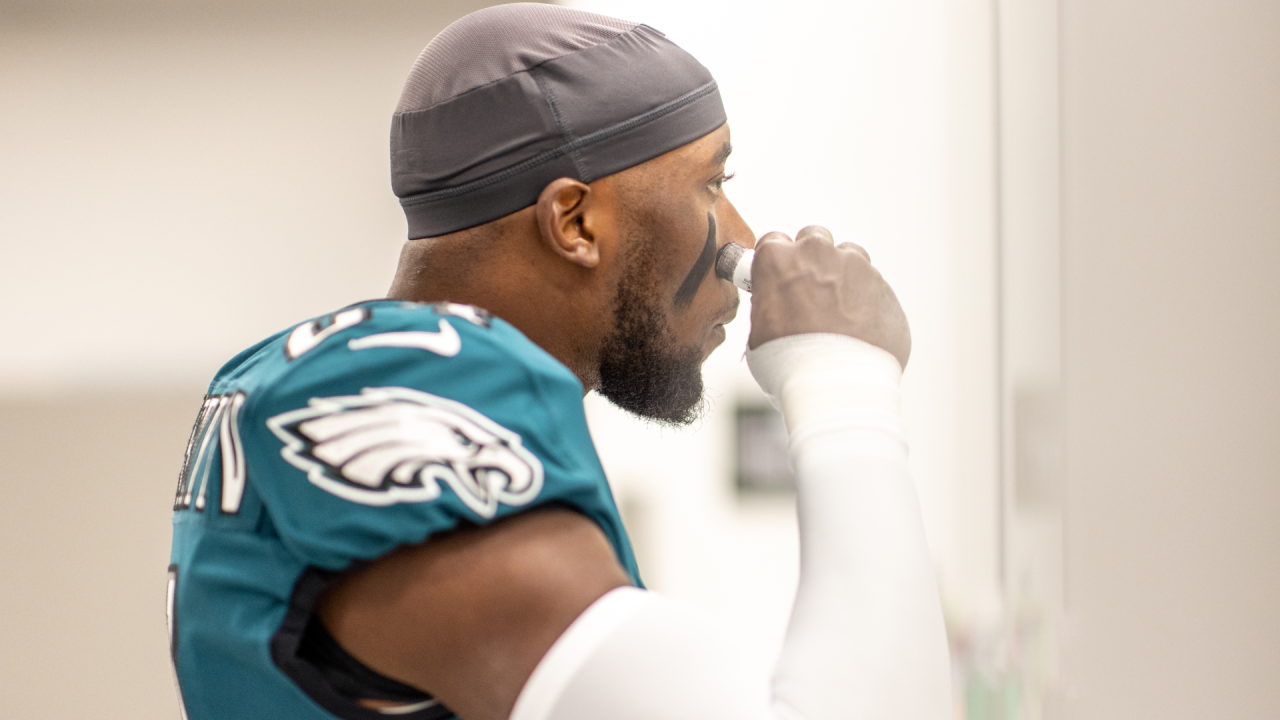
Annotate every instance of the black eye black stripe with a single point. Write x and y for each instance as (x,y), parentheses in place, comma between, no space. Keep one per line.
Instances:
(689,287)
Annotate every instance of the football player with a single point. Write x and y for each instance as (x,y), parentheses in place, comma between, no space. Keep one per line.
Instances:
(395,509)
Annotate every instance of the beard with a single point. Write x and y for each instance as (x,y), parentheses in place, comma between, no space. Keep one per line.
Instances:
(643,369)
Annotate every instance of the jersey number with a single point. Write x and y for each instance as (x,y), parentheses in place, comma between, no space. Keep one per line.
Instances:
(310,334)
(220,417)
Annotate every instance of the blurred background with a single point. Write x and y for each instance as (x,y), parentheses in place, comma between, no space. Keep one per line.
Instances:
(1077,201)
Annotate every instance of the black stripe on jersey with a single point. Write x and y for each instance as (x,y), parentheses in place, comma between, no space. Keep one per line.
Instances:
(328,674)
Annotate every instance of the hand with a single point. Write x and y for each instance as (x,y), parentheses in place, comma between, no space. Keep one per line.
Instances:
(812,285)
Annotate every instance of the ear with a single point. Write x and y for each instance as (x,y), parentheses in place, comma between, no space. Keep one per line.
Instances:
(561,209)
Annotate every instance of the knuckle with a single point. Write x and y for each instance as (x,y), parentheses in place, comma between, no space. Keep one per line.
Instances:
(766,251)
(852,249)
(815,230)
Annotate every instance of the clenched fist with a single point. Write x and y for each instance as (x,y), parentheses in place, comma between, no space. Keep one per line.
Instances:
(812,285)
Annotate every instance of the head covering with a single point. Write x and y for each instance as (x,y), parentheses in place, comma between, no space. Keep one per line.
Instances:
(511,97)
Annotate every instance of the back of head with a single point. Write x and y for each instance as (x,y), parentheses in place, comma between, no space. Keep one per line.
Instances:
(511,97)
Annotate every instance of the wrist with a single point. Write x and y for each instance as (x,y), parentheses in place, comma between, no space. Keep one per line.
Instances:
(827,384)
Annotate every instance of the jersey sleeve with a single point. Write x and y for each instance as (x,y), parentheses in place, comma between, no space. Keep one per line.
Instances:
(411,423)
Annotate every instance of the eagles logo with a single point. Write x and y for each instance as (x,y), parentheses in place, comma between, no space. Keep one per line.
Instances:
(390,445)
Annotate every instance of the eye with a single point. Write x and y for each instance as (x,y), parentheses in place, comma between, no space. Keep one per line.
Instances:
(716,185)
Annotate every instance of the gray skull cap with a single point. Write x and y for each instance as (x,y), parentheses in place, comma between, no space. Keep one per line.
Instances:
(511,97)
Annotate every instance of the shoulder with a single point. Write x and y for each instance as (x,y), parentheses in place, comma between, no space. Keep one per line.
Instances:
(383,357)
(381,403)
(385,422)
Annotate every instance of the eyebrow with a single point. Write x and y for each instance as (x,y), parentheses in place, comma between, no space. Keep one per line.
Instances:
(723,155)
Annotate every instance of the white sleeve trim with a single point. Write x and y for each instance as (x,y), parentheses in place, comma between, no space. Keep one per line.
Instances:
(642,656)
(578,642)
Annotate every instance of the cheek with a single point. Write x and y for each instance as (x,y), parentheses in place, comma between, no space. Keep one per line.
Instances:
(692,284)
(681,265)
(697,323)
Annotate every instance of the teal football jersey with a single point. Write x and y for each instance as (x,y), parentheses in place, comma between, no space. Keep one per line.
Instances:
(334,442)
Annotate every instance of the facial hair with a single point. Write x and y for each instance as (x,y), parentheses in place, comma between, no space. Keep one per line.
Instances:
(643,369)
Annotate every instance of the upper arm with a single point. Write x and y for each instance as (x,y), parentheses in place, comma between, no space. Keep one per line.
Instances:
(434,467)
(467,616)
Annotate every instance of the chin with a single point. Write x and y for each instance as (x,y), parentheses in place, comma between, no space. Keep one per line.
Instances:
(666,388)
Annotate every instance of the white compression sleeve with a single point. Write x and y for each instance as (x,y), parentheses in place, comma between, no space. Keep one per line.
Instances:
(866,638)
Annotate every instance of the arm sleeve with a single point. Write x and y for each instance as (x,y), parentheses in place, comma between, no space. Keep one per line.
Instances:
(866,638)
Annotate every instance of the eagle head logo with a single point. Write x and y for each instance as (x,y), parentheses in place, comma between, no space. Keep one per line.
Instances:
(390,445)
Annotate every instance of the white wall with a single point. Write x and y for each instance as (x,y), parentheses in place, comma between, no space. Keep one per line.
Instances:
(1027,663)
(88,481)
(180,180)
(1171,332)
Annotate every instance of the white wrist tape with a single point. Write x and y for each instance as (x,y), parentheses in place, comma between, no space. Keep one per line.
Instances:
(826,383)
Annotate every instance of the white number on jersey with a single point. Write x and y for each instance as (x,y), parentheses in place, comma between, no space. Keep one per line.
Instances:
(219,418)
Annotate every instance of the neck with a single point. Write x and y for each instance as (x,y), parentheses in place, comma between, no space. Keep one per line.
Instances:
(555,313)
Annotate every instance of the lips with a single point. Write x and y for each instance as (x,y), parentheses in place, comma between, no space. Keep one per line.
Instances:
(715,338)
(725,317)
(716,335)
(729,313)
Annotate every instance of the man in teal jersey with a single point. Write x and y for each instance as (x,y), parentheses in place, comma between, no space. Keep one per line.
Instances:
(389,423)
(396,508)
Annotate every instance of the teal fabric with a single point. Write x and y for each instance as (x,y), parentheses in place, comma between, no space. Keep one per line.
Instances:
(498,397)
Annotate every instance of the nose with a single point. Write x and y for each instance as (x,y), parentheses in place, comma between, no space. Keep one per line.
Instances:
(731,227)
